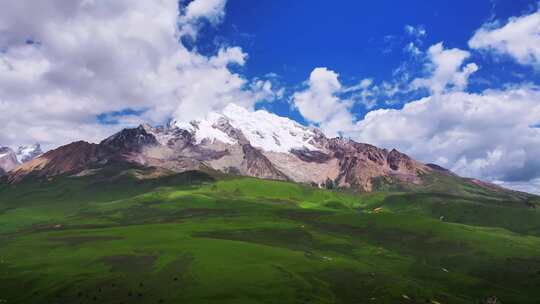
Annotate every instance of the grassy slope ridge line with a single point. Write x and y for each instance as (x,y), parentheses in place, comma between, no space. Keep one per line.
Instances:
(113,238)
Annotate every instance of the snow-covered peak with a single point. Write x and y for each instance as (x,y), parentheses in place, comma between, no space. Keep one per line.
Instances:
(205,129)
(262,129)
(28,152)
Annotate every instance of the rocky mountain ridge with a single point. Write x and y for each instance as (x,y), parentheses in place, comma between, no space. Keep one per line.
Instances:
(237,141)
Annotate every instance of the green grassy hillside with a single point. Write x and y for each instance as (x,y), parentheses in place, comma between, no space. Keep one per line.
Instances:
(188,238)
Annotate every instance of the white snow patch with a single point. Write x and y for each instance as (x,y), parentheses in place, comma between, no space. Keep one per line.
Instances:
(269,131)
(262,129)
(204,130)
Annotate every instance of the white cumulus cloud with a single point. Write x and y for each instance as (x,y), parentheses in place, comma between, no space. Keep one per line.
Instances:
(446,70)
(518,38)
(491,135)
(64,62)
(320,102)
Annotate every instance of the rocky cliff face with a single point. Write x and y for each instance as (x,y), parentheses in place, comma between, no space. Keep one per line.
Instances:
(360,164)
(129,140)
(237,141)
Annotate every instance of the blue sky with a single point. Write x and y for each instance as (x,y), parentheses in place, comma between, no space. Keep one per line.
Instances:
(357,38)
(455,83)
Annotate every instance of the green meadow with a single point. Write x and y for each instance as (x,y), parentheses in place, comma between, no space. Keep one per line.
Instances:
(198,238)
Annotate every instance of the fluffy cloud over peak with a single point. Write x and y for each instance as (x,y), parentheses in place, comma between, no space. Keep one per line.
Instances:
(518,38)
(445,67)
(320,104)
(65,63)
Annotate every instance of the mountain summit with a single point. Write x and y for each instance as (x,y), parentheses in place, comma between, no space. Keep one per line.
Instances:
(261,129)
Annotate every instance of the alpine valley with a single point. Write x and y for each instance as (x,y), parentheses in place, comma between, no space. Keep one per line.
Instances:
(250,207)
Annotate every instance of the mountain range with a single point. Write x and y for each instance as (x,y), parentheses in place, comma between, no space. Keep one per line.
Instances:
(239,142)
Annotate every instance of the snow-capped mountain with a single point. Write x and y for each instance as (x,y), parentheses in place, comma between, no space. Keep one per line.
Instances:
(261,129)
(28,152)
(265,145)
(241,142)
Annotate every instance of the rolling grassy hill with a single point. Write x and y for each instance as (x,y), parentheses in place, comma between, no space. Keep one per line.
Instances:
(119,236)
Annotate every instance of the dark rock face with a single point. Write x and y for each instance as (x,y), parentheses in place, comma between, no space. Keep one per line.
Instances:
(347,171)
(129,140)
(70,158)
(258,165)
(360,164)
(179,138)
(397,160)
(311,156)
